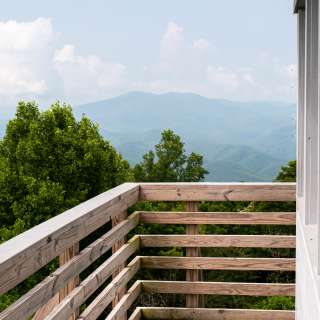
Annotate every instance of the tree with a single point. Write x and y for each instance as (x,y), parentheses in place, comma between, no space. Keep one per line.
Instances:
(287,173)
(169,162)
(50,162)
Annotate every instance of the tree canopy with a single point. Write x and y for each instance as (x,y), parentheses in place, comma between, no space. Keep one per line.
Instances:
(50,162)
(170,163)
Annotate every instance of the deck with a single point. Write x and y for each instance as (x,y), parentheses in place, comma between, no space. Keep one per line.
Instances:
(116,255)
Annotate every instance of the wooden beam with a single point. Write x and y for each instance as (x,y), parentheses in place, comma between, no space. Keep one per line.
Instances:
(210,314)
(218,241)
(121,291)
(46,289)
(136,314)
(219,288)
(126,301)
(26,253)
(237,218)
(93,281)
(217,192)
(100,303)
(204,263)
(193,301)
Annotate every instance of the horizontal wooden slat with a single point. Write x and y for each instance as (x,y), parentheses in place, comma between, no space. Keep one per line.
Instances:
(88,286)
(126,301)
(204,263)
(25,254)
(219,288)
(238,218)
(217,191)
(100,303)
(220,241)
(41,293)
(215,314)
(136,314)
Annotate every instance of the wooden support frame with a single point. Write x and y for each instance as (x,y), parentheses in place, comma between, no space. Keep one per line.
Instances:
(218,241)
(25,254)
(219,288)
(126,301)
(217,191)
(212,218)
(97,306)
(41,293)
(193,301)
(210,314)
(204,263)
(93,281)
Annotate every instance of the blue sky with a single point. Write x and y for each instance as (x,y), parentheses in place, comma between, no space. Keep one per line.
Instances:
(81,51)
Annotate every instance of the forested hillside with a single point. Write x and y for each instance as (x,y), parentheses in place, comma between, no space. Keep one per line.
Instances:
(240,141)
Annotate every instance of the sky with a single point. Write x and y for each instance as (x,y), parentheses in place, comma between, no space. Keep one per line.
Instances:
(83,51)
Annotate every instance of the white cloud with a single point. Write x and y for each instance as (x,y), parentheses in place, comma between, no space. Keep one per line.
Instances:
(33,66)
(201,44)
(24,53)
(87,77)
(172,41)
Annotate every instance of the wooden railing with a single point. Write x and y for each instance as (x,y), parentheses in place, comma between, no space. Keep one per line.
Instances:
(61,294)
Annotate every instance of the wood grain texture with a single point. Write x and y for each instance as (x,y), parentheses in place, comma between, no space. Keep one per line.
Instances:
(192,301)
(214,314)
(41,293)
(218,241)
(28,252)
(219,288)
(118,244)
(126,301)
(237,218)
(204,263)
(217,192)
(136,314)
(93,281)
(100,303)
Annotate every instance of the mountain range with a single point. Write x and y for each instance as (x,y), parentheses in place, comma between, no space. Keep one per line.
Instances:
(240,141)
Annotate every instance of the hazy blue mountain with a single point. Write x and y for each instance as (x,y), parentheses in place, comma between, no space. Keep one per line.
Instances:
(241,141)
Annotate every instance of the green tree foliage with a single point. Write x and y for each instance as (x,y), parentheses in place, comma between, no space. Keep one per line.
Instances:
(169,162)
(50,162)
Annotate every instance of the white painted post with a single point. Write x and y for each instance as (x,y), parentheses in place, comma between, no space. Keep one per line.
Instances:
(311,112)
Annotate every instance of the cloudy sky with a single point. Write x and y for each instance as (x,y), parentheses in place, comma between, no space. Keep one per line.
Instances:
(79,50)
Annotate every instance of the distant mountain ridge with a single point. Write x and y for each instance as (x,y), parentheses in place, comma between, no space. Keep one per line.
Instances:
(240,141)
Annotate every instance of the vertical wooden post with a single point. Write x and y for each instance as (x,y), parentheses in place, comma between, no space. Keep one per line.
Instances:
(121,291)
(193,300)
(48,307)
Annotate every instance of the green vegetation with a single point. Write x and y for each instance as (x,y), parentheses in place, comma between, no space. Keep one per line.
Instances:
(50,162)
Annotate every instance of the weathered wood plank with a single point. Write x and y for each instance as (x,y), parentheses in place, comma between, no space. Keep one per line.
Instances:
(99,304)
(65,257)
(126,301)
(219,288)
(204,263)
(238,218)
(121,291)
(41,293)
(136,314)
(26,253)
(212,314)
(217,192)
(192,301)
(218,241)
(93,281)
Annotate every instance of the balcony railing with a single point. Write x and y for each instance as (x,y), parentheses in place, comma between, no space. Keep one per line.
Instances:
(61,295)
